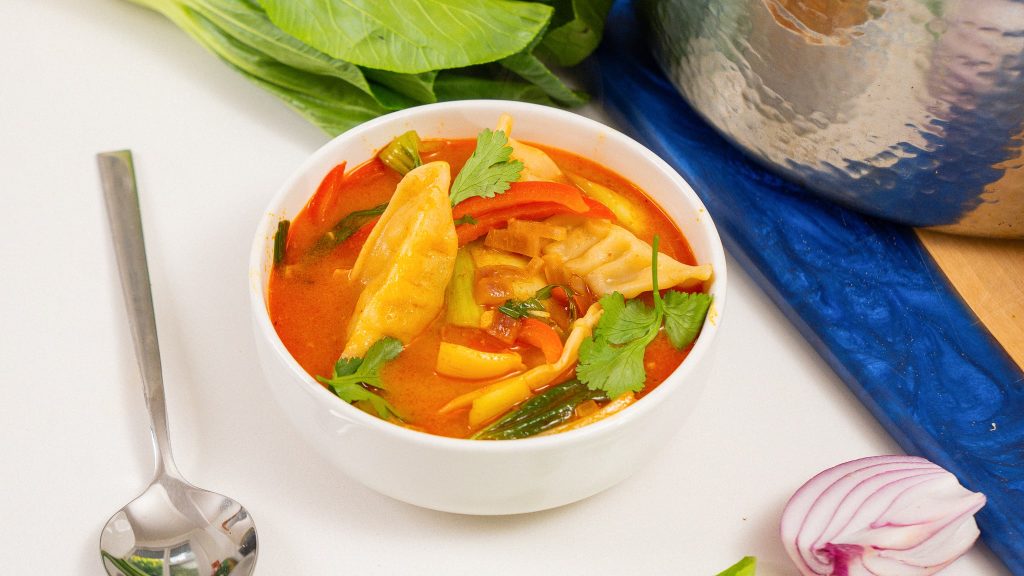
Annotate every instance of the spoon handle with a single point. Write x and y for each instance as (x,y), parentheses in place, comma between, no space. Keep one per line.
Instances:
(118,176)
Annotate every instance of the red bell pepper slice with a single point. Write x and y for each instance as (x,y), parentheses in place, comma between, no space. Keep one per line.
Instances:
(524,193)
(498,218)
(540,335)
(598,210)
(326,193)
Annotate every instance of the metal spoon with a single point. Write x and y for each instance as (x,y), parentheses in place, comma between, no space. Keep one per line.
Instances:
(173,527)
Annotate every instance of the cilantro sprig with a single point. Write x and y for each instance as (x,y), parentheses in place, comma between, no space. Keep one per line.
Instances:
(522,308)
(613,359)
(351,376)
(489,170)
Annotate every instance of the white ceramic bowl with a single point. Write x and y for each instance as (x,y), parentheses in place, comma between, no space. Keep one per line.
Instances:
(493,477)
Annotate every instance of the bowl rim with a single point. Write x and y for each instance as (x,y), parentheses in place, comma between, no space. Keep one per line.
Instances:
(701,347)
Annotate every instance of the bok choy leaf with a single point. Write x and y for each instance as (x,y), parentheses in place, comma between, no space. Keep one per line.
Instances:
(342,62)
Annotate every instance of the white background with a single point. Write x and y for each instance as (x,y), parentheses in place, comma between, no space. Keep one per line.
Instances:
(78,77)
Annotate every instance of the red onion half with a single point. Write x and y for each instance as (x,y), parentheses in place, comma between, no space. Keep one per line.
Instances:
(880,516)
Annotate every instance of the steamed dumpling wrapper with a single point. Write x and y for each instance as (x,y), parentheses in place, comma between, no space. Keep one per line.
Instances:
(406,262)
(610,258)
(537,165)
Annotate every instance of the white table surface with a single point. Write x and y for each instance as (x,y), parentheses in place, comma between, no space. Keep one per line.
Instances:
(79,77)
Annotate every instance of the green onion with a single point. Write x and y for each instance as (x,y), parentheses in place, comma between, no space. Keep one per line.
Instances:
(462,309)
(542,412)
(348,226)
(281,241)
(403,153)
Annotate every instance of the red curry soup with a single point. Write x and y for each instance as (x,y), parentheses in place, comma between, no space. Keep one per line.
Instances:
(485,288)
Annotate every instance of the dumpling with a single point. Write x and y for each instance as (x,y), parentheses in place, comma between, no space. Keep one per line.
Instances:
(406,262)
(537,165)
(610,258)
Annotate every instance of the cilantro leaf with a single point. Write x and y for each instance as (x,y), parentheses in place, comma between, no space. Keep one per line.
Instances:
(613,369)
(614,305)
(522,308)
(637,320)
(744,567)
(350,376)
(612,360)
(618,369)
(488,170)
(684,316)
(467,219)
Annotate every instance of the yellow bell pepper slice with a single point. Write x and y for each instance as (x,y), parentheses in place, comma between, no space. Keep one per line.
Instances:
(498,397)
(462,362)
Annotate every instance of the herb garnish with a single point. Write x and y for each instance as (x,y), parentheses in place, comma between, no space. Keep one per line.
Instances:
(348,226)
(613,360)
(281,241)
(489,170)
(684,315)
(467,219)
(522,308)
(544,411)
(351,376)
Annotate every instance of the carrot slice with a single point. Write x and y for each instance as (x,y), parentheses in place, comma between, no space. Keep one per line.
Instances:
(539,335)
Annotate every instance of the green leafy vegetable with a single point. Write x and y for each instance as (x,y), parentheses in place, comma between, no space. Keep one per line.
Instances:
(530,68)
(575,30)
(281,241)
(328,101)
(402,154)
(467,219)
(745,567)
(684,316)
(458,85)
(351,376)
(412,36)
(488,170)
(348,226)
(418,88)
(342,62)
(613,359)
(544,411)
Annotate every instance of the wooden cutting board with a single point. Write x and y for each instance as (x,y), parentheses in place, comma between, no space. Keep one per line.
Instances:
(989,274)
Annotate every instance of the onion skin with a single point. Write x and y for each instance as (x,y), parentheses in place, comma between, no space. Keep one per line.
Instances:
(880,516)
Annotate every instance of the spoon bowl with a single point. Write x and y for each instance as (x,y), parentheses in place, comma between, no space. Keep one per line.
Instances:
(187,529)
(173,528)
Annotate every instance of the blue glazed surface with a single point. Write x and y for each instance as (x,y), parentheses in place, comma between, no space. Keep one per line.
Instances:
(864,293)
